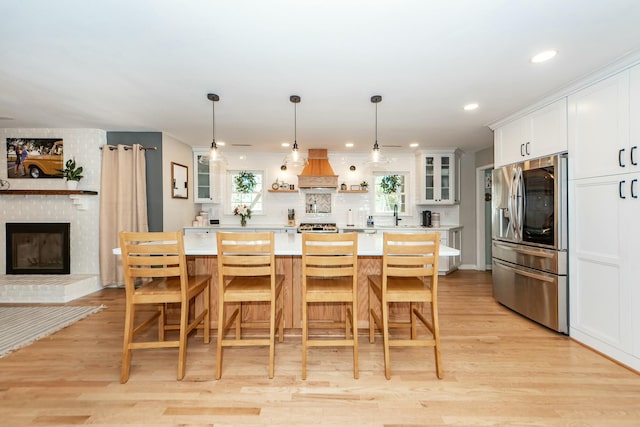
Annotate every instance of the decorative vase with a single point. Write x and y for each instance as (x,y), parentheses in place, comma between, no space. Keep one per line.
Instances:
(72,185)
(243,221)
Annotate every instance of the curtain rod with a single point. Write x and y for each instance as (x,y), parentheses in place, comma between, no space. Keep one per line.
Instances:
(127,147)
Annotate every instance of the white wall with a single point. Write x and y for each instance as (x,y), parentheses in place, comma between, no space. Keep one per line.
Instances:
(176,212)
(84,145)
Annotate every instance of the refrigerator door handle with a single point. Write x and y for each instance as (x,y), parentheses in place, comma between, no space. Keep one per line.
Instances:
(511,203)
(518,203)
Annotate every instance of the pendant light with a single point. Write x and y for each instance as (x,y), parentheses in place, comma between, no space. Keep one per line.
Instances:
(295,155)
(375,153)
(294,161)
(213,152)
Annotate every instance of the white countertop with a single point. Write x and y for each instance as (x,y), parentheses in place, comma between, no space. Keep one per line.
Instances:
(341,227)
(289,244)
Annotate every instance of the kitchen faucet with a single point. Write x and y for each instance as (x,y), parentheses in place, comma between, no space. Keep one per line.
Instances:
(395,215)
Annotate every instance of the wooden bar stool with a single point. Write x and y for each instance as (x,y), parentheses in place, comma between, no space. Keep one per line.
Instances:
(409,275)
(155,273)
(329,276)
(247,275)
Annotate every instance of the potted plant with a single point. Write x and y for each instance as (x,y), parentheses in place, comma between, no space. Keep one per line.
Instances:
(72,173)
(245,182)
(364,185)
(390,183)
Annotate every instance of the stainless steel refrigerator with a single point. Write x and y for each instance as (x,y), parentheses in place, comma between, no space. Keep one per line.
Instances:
(529,239)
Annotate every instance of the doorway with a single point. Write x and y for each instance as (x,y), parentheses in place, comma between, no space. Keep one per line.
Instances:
(483,217)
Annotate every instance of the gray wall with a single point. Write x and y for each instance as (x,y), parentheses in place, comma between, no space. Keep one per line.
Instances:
(154,170)
(468,200)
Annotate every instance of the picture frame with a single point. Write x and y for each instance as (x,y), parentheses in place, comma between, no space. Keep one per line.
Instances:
(34,158)
(179,181)
(355,187)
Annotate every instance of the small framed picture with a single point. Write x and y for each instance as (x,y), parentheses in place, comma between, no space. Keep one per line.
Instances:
(355,187)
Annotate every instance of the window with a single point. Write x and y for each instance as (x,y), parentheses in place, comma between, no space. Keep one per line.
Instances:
(384,202)
(250,182)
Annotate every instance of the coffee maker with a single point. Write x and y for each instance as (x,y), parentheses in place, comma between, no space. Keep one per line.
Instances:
(426,218)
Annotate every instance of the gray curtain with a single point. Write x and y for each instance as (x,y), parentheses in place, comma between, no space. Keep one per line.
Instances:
(123,204)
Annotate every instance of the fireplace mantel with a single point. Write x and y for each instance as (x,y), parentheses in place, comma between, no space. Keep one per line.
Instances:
(76,196)
(49,192)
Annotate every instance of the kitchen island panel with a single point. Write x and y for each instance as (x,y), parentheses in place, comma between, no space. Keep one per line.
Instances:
(291,267)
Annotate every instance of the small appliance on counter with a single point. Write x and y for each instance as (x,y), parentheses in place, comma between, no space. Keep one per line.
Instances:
(426,218)
(435,219)
(291,218)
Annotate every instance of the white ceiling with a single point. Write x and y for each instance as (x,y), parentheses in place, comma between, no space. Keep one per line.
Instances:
(147,66)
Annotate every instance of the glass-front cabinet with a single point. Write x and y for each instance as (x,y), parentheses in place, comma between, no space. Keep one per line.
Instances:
(438,182)
(207,177)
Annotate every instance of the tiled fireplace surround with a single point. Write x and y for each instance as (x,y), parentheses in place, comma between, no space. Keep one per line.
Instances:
(84,146)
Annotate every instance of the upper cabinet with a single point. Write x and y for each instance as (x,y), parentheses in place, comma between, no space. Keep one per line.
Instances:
(602,138)
(538,134)
(207,177)
(438,174)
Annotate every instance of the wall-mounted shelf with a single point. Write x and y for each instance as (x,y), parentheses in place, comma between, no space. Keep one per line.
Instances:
(283,191)
(75,195)
(49,192)
(353,191)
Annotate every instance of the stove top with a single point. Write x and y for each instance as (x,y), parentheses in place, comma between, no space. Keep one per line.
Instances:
(317,228)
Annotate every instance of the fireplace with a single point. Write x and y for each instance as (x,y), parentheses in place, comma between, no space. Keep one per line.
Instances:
(38,248)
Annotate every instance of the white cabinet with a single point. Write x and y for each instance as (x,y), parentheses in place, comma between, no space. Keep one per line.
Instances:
(453,239)
(604,207)
(603,265)
(438,177)
(208,178)
(538,134)
(599,128)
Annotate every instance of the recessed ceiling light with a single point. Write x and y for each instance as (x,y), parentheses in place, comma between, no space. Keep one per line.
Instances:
(222,143)
(349,144)
(544,56)
(470,107)
(413,145)
(284,144)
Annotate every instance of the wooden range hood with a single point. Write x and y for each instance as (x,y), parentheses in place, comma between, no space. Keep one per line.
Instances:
(318,172)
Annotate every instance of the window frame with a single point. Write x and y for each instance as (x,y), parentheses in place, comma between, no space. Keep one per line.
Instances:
(404,193)
(257,198)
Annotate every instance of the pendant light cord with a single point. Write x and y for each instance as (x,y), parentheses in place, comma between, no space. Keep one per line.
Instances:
(376,99)
(376,140)
(295,99)
(213,98)
(213,122)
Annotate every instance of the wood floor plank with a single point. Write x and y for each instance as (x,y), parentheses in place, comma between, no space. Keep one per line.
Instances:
(499,369)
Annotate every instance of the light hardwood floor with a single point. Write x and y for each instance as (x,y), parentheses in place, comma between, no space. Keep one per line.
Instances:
(499,369)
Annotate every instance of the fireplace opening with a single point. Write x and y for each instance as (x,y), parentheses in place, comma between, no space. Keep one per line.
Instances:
(38,248)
